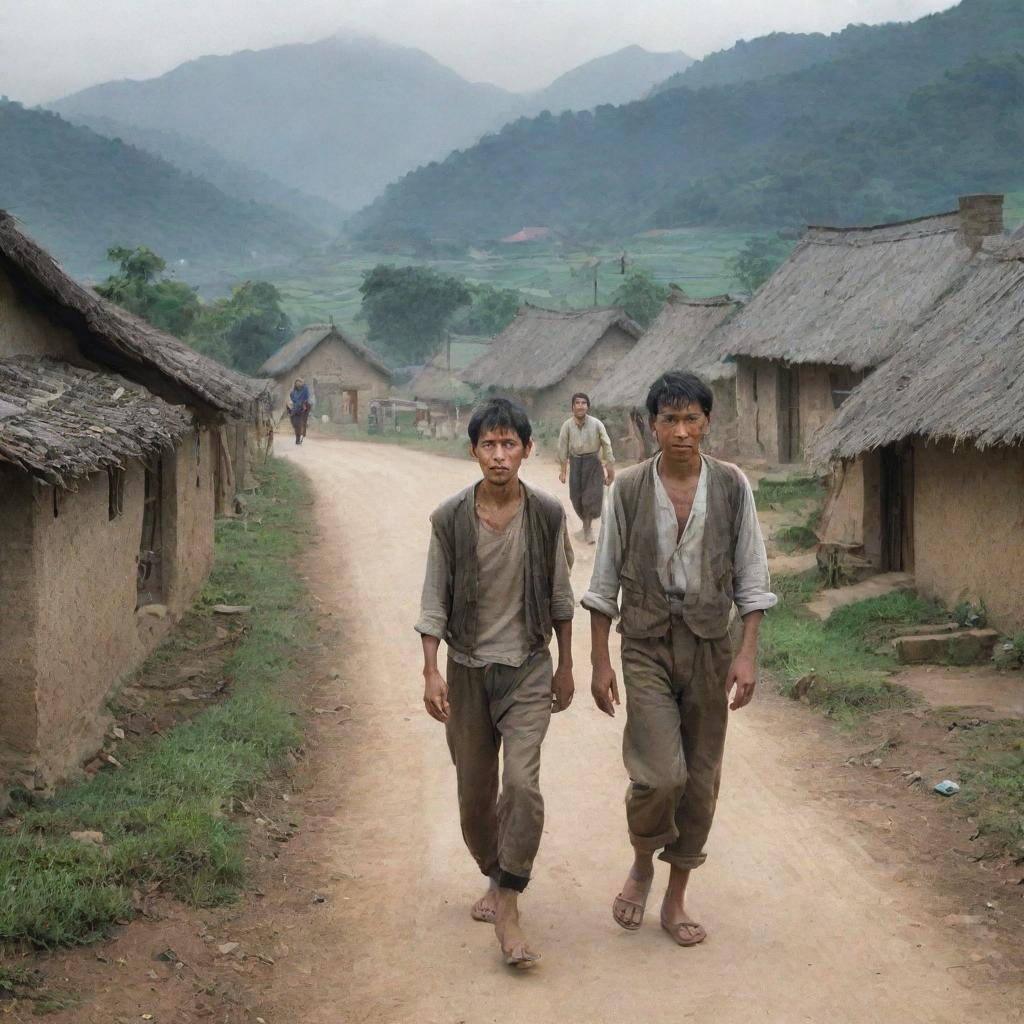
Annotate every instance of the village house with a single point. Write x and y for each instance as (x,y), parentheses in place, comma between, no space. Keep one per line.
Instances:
(545,355)
(342,375)
(677,340)
(929,450)
(439,385)
(837,308)
(114,440)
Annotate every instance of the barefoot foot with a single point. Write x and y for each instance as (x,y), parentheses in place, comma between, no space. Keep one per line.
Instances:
(514,945)
(484,908)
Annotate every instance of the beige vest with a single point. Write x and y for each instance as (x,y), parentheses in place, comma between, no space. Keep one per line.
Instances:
(644,607)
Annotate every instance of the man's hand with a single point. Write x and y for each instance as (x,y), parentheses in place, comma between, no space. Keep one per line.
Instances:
(743,676)
(563,686)
(605,689)
(562,474)
(435,695)
(609,474)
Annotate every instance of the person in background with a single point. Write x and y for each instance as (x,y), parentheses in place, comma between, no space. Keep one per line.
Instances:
(585,455)
(300,402)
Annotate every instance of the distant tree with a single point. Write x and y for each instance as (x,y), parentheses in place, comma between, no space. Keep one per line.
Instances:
(408,309)
(137,287)
(641,297)
(244,330)
(492,310)
(757,261)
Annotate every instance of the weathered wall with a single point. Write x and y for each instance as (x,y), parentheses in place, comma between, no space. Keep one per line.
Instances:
(188,515)
(87,633)
(335,358)
(19,594)
(853,513)
(552,406)
(815,401)
(757,408)
(968,528)
(722,440)
(25,331)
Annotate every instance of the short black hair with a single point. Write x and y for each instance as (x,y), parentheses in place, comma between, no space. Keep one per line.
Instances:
(579,394)
(675,390)
(499,414)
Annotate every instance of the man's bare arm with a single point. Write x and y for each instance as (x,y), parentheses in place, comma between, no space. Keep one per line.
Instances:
(603,685)
(743,670)
(563,686)
(435,689)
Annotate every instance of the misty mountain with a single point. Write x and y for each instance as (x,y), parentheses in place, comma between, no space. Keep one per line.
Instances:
(336,119)
(78,193)
(769,151)
(231,177)
(620,77)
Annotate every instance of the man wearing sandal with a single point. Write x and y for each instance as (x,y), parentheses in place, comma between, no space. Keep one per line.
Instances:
(683,543)
(496,588)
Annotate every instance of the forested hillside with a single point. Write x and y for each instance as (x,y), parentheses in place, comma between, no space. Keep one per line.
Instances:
(818,144)
(78,193)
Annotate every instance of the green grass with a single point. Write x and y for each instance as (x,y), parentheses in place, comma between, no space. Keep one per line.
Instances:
(992,779)
(793,491)
(834,665)
(546,275)
(165,816)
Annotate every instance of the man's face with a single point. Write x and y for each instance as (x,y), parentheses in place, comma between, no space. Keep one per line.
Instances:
(680,429)
(580,408)
(500,453)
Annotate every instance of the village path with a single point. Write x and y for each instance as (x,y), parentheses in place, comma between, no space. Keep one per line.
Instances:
(806,922)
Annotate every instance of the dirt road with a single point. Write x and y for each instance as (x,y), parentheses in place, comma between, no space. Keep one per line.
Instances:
(806,922)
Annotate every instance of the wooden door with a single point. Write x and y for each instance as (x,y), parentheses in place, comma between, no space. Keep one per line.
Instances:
(897,518)
(789,414)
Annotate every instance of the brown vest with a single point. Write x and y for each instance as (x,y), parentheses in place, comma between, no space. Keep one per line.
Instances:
(644,606)
(457,528)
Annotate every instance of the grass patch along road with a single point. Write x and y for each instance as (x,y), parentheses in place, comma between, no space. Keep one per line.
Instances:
(836,665)
(164,818)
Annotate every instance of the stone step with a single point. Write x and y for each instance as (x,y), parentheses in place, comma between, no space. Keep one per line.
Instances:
(963,648)
(827,601)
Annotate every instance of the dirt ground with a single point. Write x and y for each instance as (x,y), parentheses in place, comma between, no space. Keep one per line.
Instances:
(832,893)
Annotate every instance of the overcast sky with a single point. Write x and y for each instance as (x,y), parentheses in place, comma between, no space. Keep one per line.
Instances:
(49,48)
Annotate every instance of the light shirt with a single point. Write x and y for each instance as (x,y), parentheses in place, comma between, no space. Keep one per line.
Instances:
(501,637)
(680,557)
(586,440)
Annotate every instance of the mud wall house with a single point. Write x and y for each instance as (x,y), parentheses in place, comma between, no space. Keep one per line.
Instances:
(111,450)
(440,386)
(342,375)
(678,339)
(929,450)
(838,307)
(544,356)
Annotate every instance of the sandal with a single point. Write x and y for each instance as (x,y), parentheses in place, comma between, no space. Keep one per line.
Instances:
(641,905)
(680,937)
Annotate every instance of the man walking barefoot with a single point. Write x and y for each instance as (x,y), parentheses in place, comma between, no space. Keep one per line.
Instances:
(585,454)
(683,544)
(496,587)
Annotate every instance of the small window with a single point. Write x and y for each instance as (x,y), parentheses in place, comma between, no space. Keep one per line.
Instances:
(115,503)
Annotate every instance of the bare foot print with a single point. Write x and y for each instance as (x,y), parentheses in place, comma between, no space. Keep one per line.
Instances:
(629,906)
(683,929)
(514,944)
(485,908)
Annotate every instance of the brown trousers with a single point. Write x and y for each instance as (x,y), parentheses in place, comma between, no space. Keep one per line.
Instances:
(499,708)
(676,715)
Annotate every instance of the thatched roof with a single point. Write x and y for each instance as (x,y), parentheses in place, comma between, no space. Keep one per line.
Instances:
(109,335)
(542,346)
(288,356)
(846,296)
(435,383)
(59,422)
(959,375)
(677,340)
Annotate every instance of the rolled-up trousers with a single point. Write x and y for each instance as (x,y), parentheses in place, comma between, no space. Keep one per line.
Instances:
(676,715)
(500,709)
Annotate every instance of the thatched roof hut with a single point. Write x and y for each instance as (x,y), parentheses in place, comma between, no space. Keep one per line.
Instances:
(59,423)
(677,340)
(290,355)
(436,382)
(112,337)
(846,296)
(959,375)
(542,346)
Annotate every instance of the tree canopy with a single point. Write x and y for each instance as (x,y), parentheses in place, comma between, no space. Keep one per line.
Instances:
(757,261)
(641,297)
